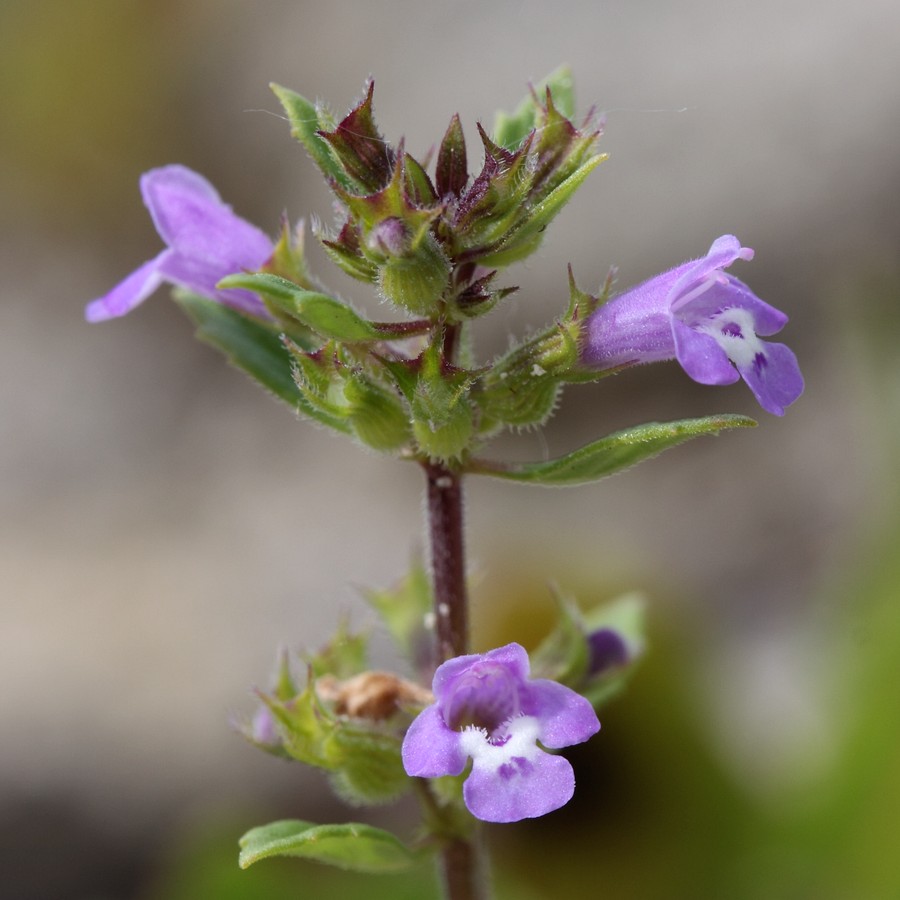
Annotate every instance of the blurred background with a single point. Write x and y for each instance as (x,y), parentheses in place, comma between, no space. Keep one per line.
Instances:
(165,527)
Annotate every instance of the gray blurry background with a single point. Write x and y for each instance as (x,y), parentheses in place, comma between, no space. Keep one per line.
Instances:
(165,527)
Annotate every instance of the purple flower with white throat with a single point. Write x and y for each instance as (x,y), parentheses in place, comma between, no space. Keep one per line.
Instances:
(707,320)
(205,241)
(487,708)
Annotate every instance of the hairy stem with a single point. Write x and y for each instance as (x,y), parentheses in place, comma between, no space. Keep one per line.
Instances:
(461,866)
(448,565)
(463,879)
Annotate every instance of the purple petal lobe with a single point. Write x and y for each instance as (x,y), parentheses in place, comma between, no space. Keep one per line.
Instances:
(128,294)
(701,356)
(204,232)
(430,749)
(565,717)
(774,377)
(515,780)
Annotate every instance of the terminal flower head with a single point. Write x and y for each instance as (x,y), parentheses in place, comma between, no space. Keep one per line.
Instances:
(707,320)
(205,241)
(487,708)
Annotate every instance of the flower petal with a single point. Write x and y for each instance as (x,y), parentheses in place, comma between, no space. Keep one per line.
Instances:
(701,356)
(521,788)
(774,377)
(430,749)
(723,252)
(564,717)
(128,294)
(207,236)
(730,293)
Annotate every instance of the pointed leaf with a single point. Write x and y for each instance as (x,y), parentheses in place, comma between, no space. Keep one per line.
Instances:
(611,454)
(418,185)
(306,121)
(323,314)
(353,846)
(452,169)
(248,344)
(366,156)
(510,129)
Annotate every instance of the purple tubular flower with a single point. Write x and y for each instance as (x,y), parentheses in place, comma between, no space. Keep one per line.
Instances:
(707,320)
(205,241)
(488,709)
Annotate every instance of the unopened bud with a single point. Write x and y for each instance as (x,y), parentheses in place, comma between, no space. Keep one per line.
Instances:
(389,237)
(418,280)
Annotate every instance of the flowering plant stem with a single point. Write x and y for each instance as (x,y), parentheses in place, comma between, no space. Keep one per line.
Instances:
(462,869)
(447,551)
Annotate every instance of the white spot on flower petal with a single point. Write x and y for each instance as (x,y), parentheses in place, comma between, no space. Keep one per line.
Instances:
(734,332)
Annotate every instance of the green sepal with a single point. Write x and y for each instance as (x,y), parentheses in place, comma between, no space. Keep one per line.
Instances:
(524,238)
(356,141)
(344,396)
(353,845)
(564,654)
(416,282)
(510,129)
(361,756)
(442,416)
(305,724)
(345,655)
(394,200)
(249,344)
(324,315)
(345,251)
(418,185)
(451,170)
(314,383)
(367,766)
(306,120)
(610,454)
(289,257)
(492,205)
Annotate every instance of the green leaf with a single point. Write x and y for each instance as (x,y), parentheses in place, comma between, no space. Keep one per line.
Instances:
(323,314)
(255,348)
(249,345)
(511,129)
(353,846)
(611,454)
(306,120)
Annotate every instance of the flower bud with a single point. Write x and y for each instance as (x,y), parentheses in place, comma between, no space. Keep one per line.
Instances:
(416,281)
(445,436)
(379,419)
(389,237)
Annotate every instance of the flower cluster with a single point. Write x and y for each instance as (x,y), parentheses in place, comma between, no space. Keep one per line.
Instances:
(486,708)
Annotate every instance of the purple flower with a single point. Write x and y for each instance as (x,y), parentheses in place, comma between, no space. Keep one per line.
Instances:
(707,320)
(607,650)
(205,242)
(488,709)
